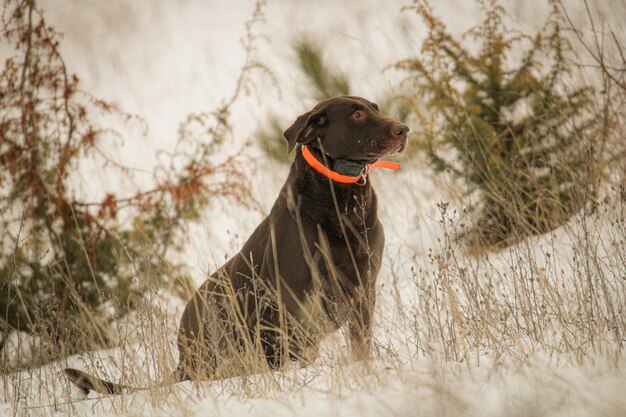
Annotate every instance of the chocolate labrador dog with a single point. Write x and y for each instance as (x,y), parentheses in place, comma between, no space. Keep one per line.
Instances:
(307,269)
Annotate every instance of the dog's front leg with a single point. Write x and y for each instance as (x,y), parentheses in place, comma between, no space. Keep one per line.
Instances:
(360,324)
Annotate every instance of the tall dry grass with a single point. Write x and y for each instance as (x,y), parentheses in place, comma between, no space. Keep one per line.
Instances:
(561,296)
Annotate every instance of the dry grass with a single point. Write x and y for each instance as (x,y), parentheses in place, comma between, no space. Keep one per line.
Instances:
(441,317)
(453,327)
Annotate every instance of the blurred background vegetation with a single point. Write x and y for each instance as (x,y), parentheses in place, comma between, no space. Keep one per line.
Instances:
(323,81)
(508,121)
(69,268)
(504,113)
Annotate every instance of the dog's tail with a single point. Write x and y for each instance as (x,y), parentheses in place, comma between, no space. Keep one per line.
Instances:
(87,382)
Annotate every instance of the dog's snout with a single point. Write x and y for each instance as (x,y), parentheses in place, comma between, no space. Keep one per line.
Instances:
(400,130)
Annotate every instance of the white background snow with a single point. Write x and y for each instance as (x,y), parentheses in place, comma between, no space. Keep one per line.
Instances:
(165,59)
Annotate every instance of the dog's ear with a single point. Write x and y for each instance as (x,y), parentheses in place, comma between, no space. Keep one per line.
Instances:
(306,128)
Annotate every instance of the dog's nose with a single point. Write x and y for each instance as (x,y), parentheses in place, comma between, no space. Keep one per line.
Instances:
(400,131)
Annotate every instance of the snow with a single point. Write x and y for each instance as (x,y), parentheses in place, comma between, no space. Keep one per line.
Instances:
(163,60)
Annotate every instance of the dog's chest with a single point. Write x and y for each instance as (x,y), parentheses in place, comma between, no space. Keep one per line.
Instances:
(343,237)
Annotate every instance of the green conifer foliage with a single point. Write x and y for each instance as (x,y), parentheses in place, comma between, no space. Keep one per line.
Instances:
(323,82)
(506,118)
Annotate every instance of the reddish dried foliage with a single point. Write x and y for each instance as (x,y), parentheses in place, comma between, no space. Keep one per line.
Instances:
(46,126)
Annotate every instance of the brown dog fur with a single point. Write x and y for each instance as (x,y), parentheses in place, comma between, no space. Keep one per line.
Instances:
(307,269)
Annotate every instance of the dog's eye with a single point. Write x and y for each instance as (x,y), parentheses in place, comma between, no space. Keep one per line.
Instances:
(359,114)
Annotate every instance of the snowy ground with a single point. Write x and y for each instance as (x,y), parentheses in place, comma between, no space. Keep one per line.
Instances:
(164,60)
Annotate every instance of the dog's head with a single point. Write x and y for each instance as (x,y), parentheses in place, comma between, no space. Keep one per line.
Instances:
(348,127)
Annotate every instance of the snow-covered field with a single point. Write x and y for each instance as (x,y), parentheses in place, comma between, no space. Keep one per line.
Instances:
(163,60)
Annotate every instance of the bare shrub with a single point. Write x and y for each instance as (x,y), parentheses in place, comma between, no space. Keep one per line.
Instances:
(69,267)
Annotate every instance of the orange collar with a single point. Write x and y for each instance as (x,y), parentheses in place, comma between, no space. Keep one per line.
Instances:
(360,179)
